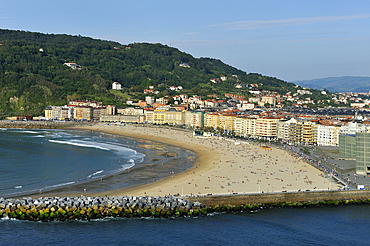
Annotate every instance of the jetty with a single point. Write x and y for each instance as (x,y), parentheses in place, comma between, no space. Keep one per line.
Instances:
(89,208)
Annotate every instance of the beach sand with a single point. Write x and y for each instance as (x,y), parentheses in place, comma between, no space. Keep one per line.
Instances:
(223,166)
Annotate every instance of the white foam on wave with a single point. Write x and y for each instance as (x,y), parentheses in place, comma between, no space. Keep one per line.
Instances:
(19,186)
(79,144)
(58,185)
(113,147)
(34,132)
(127,166)
(39,136)
(95,173)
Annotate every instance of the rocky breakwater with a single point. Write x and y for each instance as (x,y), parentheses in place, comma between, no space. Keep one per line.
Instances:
(88,208)
(35,124)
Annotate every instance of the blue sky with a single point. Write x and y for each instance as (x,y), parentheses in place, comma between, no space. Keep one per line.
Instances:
(287,39)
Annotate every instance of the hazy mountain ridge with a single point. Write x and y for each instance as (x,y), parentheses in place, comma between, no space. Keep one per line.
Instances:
(338,84)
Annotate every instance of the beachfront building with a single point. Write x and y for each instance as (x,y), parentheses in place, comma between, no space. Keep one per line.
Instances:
(357,146)
(123,118)
(266,127)
(194,119)
(347,145)
(308,132)
(212,120)
(283,129)
(174,117)
(362,153)
(59,113)
(149,115)
(110,110)
(110,118)
(83,113)
(97,112)
(239,127)
(303,133)
(227,122)
(159,116)
(48,112)
(327,135)
(245,126)
(168,116)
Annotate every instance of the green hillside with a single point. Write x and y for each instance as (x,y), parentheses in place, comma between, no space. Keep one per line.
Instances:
(32,74)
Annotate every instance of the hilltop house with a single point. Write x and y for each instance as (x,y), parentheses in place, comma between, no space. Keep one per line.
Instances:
(116,86)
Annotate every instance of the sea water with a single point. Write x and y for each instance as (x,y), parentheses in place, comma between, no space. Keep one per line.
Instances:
(343,225)
(35,159)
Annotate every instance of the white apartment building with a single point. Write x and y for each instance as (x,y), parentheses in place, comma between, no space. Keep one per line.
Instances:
(327,135)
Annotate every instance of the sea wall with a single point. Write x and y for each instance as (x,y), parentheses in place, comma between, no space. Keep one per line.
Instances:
(299,197)
(36,124)
(88,208)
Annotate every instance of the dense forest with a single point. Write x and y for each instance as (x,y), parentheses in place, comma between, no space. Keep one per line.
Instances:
(32,74)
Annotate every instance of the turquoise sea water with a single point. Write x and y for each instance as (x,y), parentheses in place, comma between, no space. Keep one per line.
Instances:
(50,159)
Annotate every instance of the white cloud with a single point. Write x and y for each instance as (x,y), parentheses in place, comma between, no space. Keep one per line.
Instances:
(259,24)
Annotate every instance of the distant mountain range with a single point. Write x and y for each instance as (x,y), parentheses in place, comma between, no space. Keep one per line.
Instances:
(338,84)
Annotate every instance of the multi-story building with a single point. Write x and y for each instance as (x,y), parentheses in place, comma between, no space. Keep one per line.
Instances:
(194,119)
(75,103)
(97,112)
(173,117)
(149,100)
(149,115)
(48,112)
(267,127)
(357,146)
(110,110)
(308,133)
(227,121)
(351,128)
(362,153)
(59,112)
(212,120)
(303,133)
(83,113)
(159,116)
(283,129)
(327,135)
(239,126)
(267,99)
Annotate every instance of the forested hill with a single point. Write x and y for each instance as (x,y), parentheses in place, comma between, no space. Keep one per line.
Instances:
(32,74)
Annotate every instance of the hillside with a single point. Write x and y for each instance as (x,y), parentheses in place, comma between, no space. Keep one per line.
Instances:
(338,84)
(32,74)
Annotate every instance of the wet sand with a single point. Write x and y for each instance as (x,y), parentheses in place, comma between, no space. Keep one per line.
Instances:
(222,166)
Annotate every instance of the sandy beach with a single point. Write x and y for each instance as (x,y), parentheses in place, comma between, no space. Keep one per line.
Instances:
(223,166)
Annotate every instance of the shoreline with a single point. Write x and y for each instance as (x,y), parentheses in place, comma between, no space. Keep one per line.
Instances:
(137,133)
(221,167)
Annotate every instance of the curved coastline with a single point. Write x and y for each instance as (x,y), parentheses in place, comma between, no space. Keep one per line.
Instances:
(222,166)
(166,136)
